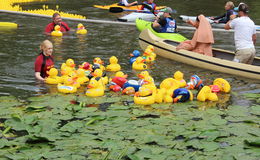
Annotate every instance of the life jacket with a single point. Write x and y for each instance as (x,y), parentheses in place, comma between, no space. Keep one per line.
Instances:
(62,25)
(43,73)
(170,26)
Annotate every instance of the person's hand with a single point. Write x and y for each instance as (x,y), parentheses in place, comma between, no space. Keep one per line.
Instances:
(189,21)
(157,18)
(216,21)
(211,18)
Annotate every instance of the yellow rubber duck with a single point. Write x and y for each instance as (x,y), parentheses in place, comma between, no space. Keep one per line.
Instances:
(143,74)
(66,72)
(147,99)
(129,91)
(81,29)
(179,77)
(113,66)
(67,86)
(53,77)
(98,74)
(94,89)
(87,68)
(150,49)
(100,63)
(223,85)
(81,76)
(139,64)
(160,95)
(57,32)
(206,94)
(69,63)
(169,84)
(149,83)
(149,57)
(121,74)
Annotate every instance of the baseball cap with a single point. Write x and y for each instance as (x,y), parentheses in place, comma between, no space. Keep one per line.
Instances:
(242,7)
(167,10)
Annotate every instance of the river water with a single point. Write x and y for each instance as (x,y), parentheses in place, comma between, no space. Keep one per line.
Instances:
(19,48)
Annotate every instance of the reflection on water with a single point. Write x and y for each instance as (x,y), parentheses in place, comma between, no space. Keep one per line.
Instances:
(57,41)
(4,30)
(224,100)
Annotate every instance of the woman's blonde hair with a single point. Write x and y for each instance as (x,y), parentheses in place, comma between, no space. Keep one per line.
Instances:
(44,44)
(231,4)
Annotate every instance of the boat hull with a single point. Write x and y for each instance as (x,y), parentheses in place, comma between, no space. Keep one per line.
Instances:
(131,17)
(222,62)
(9,25)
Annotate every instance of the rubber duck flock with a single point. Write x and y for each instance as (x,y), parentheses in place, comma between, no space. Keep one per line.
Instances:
(145,92)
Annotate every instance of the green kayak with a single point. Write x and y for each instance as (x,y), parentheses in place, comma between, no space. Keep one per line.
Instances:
(142,25)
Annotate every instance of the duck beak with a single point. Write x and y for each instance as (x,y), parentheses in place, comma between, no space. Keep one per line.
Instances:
(140,76)
(146,82)
(137,94)
(131,55)
(90,86)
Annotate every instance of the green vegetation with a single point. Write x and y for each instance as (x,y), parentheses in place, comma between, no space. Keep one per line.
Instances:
(112,128)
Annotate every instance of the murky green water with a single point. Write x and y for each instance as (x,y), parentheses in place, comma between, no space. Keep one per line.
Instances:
(19,48)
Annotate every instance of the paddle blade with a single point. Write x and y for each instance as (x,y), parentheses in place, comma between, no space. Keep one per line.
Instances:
(116,9)
(147,6)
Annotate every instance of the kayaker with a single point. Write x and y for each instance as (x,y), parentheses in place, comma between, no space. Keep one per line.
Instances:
(202,39)
(165,23)
(56,21)
(245,35)
(125,3)
(148,5)
(44,62)
(229,6)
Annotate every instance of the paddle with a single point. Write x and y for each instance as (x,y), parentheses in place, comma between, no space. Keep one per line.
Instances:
(119,10)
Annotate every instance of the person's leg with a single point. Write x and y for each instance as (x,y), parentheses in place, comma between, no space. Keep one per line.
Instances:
(242,56)
(251,58)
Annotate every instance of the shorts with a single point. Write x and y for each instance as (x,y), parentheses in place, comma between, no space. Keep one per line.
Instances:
(245,55)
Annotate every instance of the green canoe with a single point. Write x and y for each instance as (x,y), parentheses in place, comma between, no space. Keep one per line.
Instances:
(142,25)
